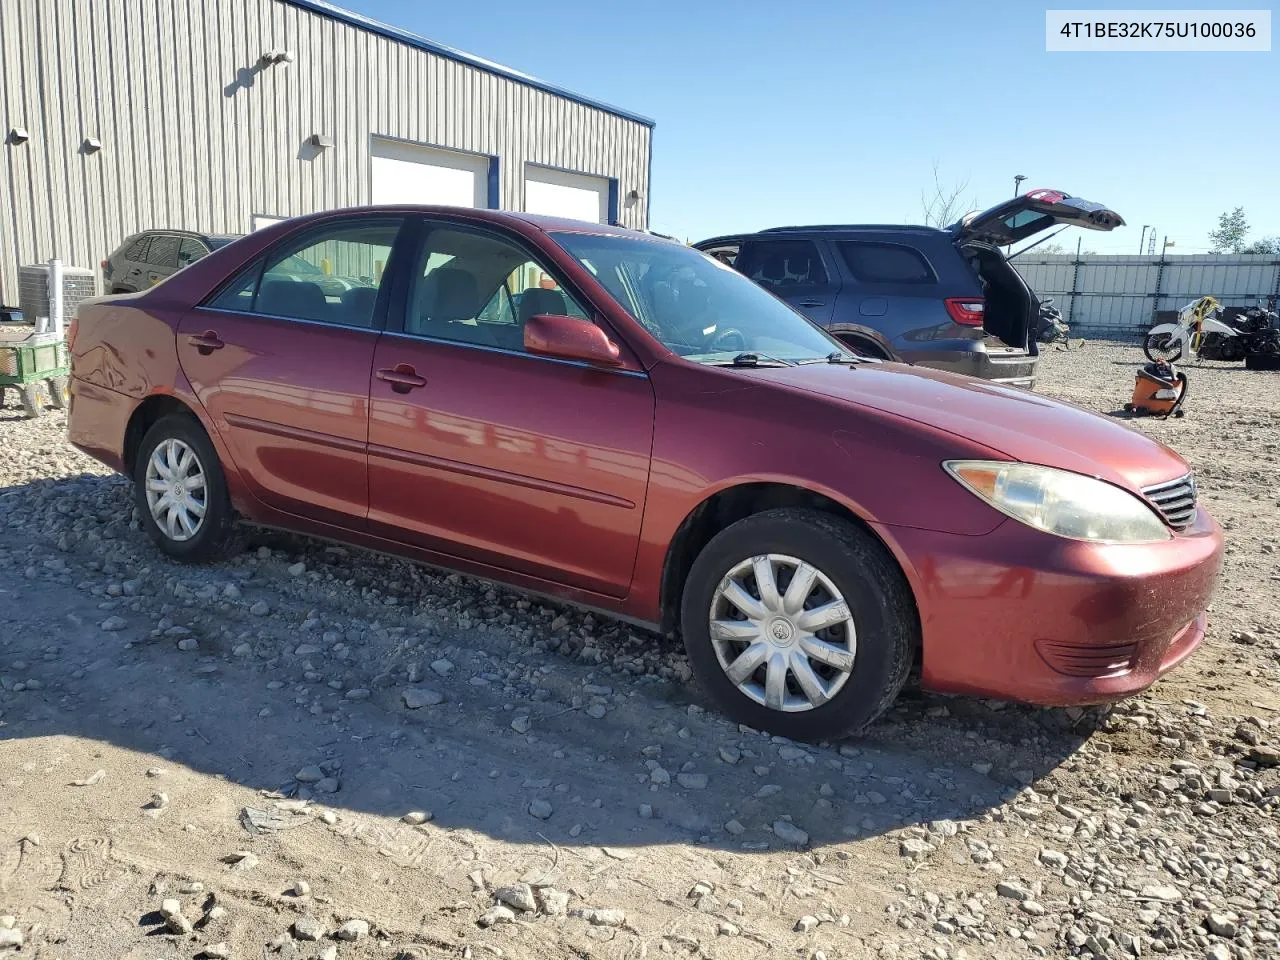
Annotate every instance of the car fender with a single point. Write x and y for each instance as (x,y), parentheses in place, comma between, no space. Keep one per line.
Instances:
(875,336)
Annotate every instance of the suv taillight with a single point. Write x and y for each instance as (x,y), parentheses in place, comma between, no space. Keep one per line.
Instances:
(966,310)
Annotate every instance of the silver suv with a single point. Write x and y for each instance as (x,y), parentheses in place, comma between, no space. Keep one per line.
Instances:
(145,259)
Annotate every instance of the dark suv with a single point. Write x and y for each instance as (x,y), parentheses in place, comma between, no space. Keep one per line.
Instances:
(940,298)
(145,259)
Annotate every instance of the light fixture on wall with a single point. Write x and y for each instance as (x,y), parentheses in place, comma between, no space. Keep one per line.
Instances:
(91,145)
(19,135)
(633,196)
(276,55)
(320,141)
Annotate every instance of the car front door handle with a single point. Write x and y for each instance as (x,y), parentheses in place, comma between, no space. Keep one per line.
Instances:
(813,303)
(402,377)
(206,342)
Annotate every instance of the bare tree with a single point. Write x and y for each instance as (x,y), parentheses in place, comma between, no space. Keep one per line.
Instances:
(943,206)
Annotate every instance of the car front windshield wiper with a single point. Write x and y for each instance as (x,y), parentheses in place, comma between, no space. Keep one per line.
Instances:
(754,359)
(837,357)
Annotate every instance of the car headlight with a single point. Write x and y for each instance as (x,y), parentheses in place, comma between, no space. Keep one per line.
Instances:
(1061,502)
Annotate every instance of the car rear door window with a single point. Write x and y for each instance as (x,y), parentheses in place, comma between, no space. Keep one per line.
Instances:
(886,263)
(782,264)
(164,250)
(137,252)
(334,275)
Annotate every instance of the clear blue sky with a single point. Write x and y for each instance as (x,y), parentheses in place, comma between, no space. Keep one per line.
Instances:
(771,112)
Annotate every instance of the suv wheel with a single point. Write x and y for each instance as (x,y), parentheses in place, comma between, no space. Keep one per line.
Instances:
(799,623)
(181,492)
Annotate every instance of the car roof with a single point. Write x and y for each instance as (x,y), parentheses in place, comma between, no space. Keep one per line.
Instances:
(178,232)
(826,228)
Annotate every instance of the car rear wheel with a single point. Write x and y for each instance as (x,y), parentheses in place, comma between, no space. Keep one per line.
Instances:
(181,492)
(799,623)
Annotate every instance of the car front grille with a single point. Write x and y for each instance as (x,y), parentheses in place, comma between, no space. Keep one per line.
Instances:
(1176,500)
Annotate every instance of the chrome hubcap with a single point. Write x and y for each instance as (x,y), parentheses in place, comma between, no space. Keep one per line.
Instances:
(177,492)
(783,633)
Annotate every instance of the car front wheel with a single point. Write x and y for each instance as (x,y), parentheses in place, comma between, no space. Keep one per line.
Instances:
(181,492)
(799,623)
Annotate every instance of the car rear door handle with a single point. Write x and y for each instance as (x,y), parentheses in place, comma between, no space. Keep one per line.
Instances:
(206,342)
(813,303)
(402,377)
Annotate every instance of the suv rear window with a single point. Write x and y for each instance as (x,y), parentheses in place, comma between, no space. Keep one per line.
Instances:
(164,251)
(137,251)
(886,263)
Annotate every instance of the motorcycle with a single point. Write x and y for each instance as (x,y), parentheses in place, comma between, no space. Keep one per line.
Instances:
(1207,331)
(1050,327)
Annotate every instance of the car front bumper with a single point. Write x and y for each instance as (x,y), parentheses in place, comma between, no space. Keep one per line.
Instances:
(1021,615)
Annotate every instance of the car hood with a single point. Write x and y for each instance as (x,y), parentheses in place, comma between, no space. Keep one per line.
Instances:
(1021,425)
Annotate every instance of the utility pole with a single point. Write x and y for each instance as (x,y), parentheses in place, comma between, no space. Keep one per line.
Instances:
(1017,183)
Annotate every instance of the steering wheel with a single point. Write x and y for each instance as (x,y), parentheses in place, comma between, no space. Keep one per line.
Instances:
(730,338)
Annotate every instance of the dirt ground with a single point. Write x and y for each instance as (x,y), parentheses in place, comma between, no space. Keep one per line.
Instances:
(316,752)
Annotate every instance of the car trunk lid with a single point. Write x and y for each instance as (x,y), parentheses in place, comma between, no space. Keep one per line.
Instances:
(1029,214)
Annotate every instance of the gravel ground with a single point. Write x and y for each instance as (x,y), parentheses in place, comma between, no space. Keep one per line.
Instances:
(315,752)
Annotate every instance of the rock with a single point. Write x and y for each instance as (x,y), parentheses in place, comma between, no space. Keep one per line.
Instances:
(805,924)
(112,624)
(1265,756)
(541,809)
(1224,925)
(170,907)
(915,848)
(734,828)
(308,928)
(329,952)
(11,937)
(188,644)
(596,711)
(646,811)
(357,693)
(1052,858)
(1161,893)
(352,930)
(327,785)
(442,667)
(601,918)
(1219,951)
(241,860)
(730,754)
(726,929)
(415,698)
(692,781)
(788,832)
(297,569)
(171,910)
(1012,891)
(216,951)
(522,724)
(416,817)
(495,915)
(518,896)
(1031,907)
(158,801)
(301,888)
(553,902)
(260,609)
(311,774)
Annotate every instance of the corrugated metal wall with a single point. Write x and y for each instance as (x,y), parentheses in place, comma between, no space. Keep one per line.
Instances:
(1117,296)
(197,135)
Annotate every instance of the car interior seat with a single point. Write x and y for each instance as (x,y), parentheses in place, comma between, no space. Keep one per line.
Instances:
(292,298)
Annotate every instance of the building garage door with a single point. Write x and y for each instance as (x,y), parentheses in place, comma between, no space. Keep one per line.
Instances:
(558,193)
(411,173)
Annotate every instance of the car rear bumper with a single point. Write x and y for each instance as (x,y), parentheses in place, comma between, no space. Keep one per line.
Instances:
(97,414)
(1022,615)
(1017,368)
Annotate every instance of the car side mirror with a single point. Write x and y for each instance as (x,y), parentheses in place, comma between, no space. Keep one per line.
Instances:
(569,338)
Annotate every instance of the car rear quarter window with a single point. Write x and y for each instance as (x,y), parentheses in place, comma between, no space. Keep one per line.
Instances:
(782,264)
(164,251)
(886,263)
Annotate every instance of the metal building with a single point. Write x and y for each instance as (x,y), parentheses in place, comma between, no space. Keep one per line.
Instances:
(224,115)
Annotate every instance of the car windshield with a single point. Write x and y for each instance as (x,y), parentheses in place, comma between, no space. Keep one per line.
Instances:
(698,307)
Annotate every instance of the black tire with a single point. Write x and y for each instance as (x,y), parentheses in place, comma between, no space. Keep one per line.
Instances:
(1157,348)
(873,586)
(217,536)
(30,395)
(57,392)
(864,347)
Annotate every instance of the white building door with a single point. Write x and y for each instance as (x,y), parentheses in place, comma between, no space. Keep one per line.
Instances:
(411,173)
(558,193)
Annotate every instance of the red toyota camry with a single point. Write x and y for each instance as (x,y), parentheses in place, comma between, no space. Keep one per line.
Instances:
(623,422)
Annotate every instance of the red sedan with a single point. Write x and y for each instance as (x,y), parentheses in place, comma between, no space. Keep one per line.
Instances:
(622,422)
